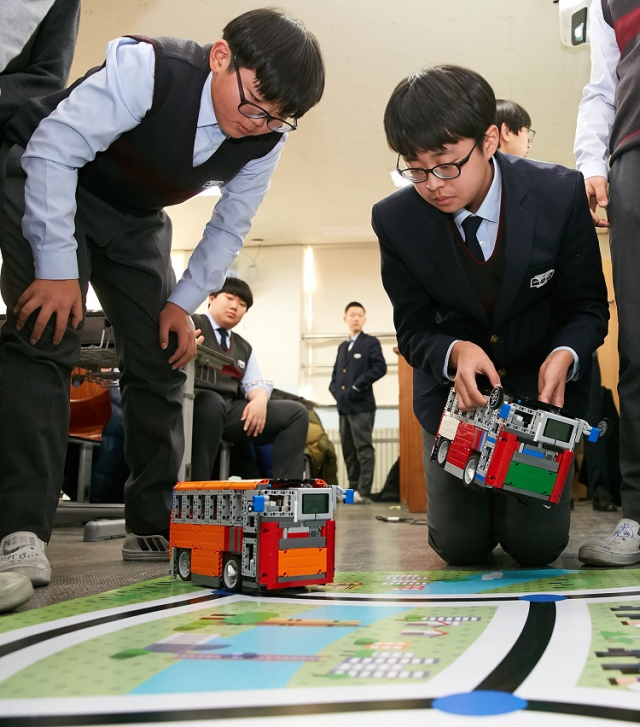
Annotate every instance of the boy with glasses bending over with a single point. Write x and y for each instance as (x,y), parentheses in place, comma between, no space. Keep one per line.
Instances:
(494,271)
(162,120)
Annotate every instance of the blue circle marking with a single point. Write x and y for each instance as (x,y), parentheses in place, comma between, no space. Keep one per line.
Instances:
(480,703)
(543,598)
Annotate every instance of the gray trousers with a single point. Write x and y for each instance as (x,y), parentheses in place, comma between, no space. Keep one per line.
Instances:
(126,258)
(465,525)
(215,418)
(356,431)
(624,237)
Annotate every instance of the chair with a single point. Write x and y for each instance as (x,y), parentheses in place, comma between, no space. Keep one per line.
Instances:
(90,411)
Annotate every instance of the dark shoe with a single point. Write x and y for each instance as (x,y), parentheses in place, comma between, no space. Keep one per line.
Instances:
(145,547)
(603,503)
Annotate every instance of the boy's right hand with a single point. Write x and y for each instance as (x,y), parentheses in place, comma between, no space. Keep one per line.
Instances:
(469,361)
(597,195)
(59,297)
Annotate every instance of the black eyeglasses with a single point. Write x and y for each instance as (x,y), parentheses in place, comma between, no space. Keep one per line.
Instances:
(253,111)
(451,170)
(531,134)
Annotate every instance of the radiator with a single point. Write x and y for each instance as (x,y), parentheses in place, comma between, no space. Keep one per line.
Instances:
(386,442)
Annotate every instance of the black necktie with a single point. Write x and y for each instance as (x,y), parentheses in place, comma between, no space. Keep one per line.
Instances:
(224,339)
(470,226)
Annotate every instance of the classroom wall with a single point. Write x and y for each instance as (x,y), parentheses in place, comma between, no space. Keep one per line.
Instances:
(296,322)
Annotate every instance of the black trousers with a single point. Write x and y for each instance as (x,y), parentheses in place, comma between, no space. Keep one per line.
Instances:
(215,419)
(624,238)
(356,433)
(465,525)
(126,258)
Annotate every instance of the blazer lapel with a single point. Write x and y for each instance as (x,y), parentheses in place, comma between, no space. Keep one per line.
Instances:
(440,250)
(344,353)
(518,234)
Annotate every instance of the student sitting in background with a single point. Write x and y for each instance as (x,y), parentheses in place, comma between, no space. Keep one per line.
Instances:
(234,404)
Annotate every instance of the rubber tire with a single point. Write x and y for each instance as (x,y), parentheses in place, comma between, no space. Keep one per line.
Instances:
(231,573)
(470,467)
(496,398)
(183,564)
(442,451)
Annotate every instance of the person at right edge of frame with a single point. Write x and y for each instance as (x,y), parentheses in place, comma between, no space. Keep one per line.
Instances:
(358,365)
(608,130)
(493,268)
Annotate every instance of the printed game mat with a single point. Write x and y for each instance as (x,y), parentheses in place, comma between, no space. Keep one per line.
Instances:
(543,647)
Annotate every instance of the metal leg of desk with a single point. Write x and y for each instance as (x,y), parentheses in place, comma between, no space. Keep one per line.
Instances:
(184,474)
(96,530)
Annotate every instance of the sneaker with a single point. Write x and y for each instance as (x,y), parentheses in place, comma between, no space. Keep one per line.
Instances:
(621,548)
(145,547)
(23,552)
(359,499)
(15,589)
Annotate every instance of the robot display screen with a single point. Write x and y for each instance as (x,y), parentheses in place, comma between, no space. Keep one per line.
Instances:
(315,503)
(560,431)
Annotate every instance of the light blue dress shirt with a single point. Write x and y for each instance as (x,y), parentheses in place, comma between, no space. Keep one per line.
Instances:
(489,210)
(103,107)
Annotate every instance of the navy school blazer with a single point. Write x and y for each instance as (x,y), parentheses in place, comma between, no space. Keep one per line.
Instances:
(552,292)
(359,367)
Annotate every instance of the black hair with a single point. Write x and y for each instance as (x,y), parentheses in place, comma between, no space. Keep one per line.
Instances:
(235,286)
(285,56)
(354,304)
(511,114)
(438,105)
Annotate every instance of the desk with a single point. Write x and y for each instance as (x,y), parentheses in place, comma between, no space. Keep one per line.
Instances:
(413,489)
(101,366)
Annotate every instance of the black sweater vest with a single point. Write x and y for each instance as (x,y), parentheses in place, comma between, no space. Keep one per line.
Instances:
(151,166)
(623,17)
(486,276)
(225,382)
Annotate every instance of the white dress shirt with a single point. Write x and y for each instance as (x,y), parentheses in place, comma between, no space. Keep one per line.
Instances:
(596,113)
(103,107)
(252,376)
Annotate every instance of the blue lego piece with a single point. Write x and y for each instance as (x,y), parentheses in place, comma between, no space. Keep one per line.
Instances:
(593,434)
(505,410)
(348,497)
(259,503)
(533,452)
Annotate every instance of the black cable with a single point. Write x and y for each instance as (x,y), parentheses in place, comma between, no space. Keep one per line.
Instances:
(410,520)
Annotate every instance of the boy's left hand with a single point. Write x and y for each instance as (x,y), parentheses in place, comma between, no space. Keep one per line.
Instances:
(254,416)
(552,378)
(176,319)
